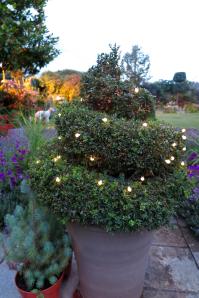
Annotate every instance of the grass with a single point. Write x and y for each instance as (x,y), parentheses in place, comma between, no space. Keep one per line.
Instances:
(181,120)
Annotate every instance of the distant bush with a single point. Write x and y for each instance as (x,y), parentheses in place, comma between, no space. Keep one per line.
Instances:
(191,108)
(169,109)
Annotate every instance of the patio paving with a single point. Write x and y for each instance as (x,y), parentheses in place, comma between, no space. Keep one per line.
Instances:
(173,268)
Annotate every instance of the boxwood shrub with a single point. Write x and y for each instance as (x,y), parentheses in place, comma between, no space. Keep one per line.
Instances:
(91,173)
(77,196)
(117,145)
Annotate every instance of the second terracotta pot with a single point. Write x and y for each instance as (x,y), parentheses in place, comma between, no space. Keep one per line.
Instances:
(51,292)
(110,265)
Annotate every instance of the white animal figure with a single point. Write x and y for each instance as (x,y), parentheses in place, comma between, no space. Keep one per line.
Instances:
(44,115)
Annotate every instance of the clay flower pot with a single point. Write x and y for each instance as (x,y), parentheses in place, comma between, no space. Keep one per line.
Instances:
(110,265)
(51,292)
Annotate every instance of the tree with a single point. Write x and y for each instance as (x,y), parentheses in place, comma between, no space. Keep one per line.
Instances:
(136,66)
(25,42)
(180,84)
(103,89)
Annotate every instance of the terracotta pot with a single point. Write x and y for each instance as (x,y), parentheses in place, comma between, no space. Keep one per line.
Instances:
(110,265)
(51,292)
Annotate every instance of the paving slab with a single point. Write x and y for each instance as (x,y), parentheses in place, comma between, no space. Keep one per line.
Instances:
(172,269)
(169,236)
(193,244)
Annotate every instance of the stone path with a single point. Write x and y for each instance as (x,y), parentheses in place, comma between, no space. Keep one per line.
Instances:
(173,269)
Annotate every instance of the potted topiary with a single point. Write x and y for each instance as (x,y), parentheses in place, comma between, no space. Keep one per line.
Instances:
(113,180)
(40,250)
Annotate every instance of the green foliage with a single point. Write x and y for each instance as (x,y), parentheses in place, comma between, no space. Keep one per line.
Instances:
(25,42)
(8,202)
(103,90)
(78,197)
(118,145)
(38,244)
(123,152)
(104,169)
(191,108)
(34,132)
(136,66)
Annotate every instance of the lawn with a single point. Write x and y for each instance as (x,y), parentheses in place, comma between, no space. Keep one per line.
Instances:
(186,120)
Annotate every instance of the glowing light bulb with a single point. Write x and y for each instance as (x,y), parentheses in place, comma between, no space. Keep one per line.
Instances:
(58,180)
(81,99)
(183,130)
(142,178)
(59,138)
(38,161)
(99,182)
(57,158)
(172,158)
(167,161)
(184,149)
(59,114)
(136,90)
(145,124)
(184,137)
(174,144)
(129,189)
(92,158)
(182,163)
(77,135)
(105,120)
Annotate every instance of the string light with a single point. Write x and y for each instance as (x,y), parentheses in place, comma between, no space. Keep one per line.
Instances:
(77,135)
(184,137)
(59,138)
(58,180)
(99,182)
(174,144)
(142,178)
(81,99)
(183,130)
(172,158)
(136,90)
(129,189)
(59,114)
(105,120)
(184,149)
(145,124)
(57,158)
(182,163)
(38,161)
(92,158)
(167,161)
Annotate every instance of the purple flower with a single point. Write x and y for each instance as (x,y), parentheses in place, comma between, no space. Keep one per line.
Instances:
(13,182)
(23,151)
(9,172)
(194,196)
(193,170)
(192,156)
(14,159)
(2,176)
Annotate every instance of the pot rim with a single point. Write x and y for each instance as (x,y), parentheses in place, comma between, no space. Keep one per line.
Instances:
(43,291)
